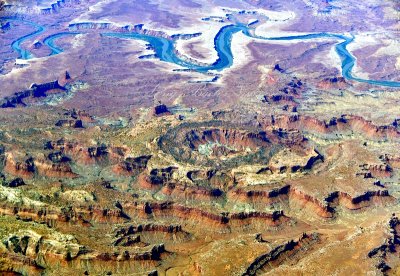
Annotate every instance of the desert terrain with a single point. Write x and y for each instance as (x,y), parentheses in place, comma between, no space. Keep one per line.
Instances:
(199,137)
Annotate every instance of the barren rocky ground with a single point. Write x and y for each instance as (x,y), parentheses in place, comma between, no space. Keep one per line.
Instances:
(199,137)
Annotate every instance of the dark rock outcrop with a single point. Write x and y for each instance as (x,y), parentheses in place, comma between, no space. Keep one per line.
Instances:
(333,83)
(35,91)
(345,124)
(161,110)
(286,250)
(161,176)
(389,247)
(31,167)
(132,165)
(58,157)
(16,183)
(70,123)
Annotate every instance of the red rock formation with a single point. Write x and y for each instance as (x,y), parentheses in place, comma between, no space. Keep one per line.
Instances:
(300,199)
(212,178)
(365,200)
(177,190)
(284,251)
(161,179)
(333,83)
(265,197)
(17,263)
(64,79)
(239,140)
(389,247)
(61,170)
(24,169)
(154,253)
(343,124)
(307,201)
(393,161)
(149,228)
(32,166)
(132,165)
(79,115)
(279,98)
(74,215)
(376,171)
(195,215)
(87,155)
(271,79)
(70,123)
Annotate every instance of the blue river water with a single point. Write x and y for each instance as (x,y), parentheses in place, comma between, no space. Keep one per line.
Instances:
(165,48)
(16,44)
(50,42)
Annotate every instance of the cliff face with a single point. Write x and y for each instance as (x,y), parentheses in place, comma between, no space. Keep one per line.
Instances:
(35,91)
(4,26)
(235,139)
(132,165)
(56,6)
(31,245)
(129,165)
(89,25)
(84,154)
(161,110)
(130,212)
(195,215)
(290,249)
(324,208)
(138,29)
(38,251)
(389,248)
(333,83)
(213,142)
(393,161)
(48,169)
(344,124)
(31,166)
(69,123)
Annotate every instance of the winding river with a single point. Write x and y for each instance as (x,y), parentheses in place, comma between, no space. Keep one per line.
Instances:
(165,48)
(50,42)
(16,44)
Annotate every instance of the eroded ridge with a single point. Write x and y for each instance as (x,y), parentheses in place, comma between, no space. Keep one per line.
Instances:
(211,138)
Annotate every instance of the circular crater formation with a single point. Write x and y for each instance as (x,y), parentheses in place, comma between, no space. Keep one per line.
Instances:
(224,145)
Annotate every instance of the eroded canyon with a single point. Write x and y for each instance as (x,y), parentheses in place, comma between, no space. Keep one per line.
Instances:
(199,137)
